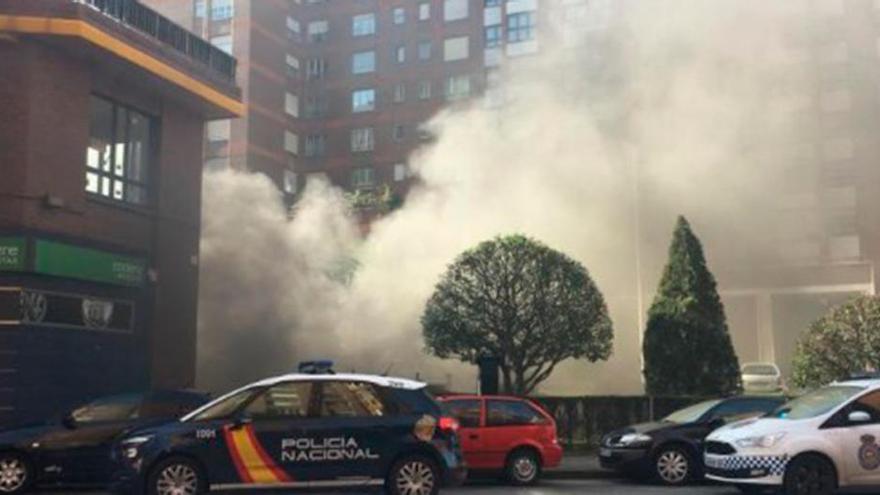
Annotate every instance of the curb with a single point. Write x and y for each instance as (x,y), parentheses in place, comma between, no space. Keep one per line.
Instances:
(569,474)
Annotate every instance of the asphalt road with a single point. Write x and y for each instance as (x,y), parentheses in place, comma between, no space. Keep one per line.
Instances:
(550,487)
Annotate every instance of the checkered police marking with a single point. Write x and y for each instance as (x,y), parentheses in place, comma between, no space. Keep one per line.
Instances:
(774,464)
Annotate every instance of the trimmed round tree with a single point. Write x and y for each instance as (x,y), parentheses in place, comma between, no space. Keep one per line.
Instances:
(846,340)
(514,298)
(687,348)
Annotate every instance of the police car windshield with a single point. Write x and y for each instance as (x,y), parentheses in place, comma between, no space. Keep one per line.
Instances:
(815,403)
(224,408)
(692,413)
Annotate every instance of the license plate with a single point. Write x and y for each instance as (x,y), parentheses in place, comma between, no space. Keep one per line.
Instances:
(604,452)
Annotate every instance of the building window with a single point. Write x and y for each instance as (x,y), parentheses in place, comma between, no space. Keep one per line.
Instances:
(399,15)
(363,100)
(223,43)
(424,11)
(290,182)
(398,133)
(120,153)
(363,25)
(458,87)
(456,48)
(221,10)
(316,106)
(400,172)
(363,177)
(318,31)
(316,68)
(399,93)
(293,29)
(316,144)
(291,142)
(493,3)
(363,62)
(493,36)
(454,10)
(218,130)
(400,54)
(292,65)
(520,27)
(291,104)
(199,9)
(362,139)
(425,50)
(424,90)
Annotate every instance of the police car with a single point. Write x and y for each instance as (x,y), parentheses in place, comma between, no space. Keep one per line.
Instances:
(308,431)
(812,445)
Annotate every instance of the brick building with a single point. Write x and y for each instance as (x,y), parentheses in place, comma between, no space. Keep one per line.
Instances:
(103,103)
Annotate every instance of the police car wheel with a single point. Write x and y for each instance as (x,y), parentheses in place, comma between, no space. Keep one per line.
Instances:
(15,473)
(810,475)
(415,475)
(673,466)
(176,476)
(522,468)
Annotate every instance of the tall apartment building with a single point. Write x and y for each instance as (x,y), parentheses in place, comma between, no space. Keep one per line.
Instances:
(337,88)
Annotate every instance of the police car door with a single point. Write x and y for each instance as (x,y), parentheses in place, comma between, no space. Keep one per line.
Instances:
(256,440)
(856,430)
(350,441)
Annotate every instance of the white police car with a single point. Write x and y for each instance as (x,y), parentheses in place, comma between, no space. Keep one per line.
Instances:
(811,445)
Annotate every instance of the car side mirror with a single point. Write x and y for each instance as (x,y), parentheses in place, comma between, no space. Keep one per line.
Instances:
(859,417)
(241,421)
(716,423)
(68,421)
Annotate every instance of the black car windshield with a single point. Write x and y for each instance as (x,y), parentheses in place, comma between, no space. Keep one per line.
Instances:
(815,403)
(691,413)
(225,407)
(115,408)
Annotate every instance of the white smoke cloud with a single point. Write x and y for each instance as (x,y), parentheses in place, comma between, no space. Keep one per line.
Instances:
(674,93)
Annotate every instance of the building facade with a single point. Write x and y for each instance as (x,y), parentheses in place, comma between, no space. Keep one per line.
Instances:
(100,157)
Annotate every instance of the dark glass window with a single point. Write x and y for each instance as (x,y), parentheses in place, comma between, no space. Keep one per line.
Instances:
(466,411)
(116,408)
(743,408)
(350,399)
(120,153)
(520,27)
(493,36)
(869,403)
(285,400)
(511,413)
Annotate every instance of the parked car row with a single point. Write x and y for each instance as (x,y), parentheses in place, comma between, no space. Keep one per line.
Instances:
(323,430)
(312,430)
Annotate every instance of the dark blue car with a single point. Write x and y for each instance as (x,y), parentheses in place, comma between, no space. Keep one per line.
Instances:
(300,431)
(75,449)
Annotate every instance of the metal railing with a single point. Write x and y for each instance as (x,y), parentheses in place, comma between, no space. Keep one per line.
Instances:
(146,20)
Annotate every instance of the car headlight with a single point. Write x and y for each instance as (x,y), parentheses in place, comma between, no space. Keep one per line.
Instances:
(131,446)
(763,441)
(631,439)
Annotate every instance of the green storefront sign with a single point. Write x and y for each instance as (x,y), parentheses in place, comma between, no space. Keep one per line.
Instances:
(12,254)
(64,260)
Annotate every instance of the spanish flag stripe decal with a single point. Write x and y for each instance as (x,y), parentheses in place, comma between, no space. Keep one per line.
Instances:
(280,475)
(236,457)
(252,462)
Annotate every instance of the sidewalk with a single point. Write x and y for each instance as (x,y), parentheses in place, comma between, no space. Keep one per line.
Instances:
(579,466)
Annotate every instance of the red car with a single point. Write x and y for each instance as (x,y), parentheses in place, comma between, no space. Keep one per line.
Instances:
(508,434)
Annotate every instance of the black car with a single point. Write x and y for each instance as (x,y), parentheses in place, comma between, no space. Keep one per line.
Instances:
(300,431)
(670,450)
(75,449)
